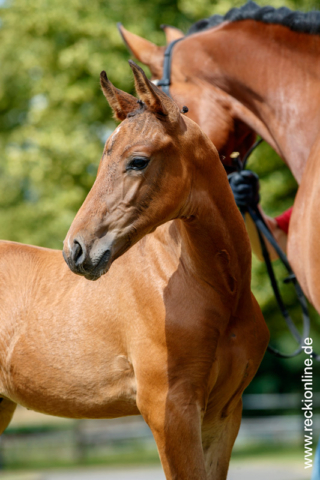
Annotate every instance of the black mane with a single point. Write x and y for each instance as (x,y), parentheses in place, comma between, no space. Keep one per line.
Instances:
(297,21)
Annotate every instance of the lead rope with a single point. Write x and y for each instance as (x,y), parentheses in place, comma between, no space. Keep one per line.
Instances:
(263,231)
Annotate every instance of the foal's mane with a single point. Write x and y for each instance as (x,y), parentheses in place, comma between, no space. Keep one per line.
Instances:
(297,21)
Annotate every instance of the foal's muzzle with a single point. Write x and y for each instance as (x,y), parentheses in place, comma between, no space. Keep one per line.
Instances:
(82,263)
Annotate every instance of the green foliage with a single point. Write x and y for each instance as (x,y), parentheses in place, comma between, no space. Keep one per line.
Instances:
(54,119)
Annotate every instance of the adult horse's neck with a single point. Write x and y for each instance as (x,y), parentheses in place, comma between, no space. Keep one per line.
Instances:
(214,242)
(272,71)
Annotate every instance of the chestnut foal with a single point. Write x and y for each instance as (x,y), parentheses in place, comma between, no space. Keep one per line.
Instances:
(172,331)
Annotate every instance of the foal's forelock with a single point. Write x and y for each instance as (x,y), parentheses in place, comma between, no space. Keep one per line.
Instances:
(142,108)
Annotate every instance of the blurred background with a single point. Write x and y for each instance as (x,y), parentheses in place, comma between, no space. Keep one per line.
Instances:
(54,121)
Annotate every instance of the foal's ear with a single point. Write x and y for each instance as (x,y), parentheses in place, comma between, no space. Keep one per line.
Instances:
(146,52)
(157,101)
(172,33)
(146,91)
(121,102)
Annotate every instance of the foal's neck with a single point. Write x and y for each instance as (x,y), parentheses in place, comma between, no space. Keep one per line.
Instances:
(271,70)
(214,242)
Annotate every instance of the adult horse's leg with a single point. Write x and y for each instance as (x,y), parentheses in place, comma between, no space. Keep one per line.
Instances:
(7,408)
(218,437)
(304,229)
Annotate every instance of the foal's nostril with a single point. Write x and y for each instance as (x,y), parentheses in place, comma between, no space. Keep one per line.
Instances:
(78,253)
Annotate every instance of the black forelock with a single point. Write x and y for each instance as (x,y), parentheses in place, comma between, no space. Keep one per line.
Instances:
(297,21)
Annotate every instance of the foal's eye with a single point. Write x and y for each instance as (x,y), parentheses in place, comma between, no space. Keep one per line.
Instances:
(138,163)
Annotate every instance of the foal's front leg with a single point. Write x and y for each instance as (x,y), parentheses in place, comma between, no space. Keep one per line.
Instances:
(218,436)
(175,421)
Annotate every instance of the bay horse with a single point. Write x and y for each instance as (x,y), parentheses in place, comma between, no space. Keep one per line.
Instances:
(266,61)
(171,331)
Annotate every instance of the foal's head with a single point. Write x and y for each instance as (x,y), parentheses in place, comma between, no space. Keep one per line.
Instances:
(144,177)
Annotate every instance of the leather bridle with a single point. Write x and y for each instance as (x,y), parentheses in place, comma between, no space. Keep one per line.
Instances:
(165,81)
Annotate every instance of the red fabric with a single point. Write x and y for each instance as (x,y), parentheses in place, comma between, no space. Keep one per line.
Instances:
(284,219)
